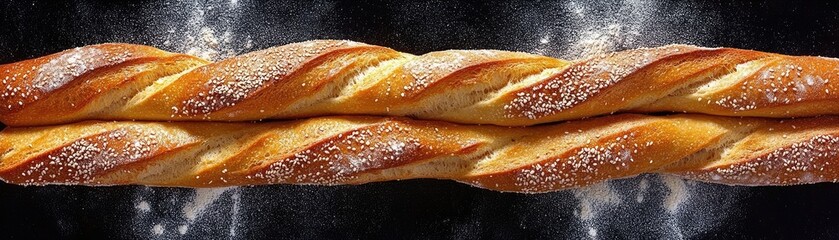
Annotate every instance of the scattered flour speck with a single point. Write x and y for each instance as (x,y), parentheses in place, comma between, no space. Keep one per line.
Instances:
(677,192)
(203,198)
(643,185)
(594,197)
(592,232)
(158,229)
(144,206)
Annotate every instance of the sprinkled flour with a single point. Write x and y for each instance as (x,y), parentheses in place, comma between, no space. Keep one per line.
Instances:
(203,198)
(158,229)
(663,204)
(676,194)
(587,29)
(207,31)
(144,207)
(666,205)
(204,29)
(192,207)
(594,198)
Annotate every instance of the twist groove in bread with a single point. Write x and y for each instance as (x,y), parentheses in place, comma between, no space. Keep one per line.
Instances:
(355,150)
(330,77)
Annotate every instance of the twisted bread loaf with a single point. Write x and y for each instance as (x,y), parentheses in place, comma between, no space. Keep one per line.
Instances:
(328,77)
(354,150)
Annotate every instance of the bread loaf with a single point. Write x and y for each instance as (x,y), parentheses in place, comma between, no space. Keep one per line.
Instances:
(356,150)
(331,77)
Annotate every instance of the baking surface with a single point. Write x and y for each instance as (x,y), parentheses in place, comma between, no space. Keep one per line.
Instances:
(648,206)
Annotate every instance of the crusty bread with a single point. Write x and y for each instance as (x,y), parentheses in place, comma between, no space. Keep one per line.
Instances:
(330,77)
(355,150)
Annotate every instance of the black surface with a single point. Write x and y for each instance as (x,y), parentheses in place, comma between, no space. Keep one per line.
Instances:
(418,209)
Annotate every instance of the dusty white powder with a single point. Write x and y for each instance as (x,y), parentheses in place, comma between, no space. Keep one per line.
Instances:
(202,40)
(602,35)
(643,185)
(593,42)
(199,205)
(596,35)
(583,29)
(666,205)
(202,33)
(593,198)
(591,202)
(203,198)
(158,229)
(204,29)
(234,221)
(143,206)
(592,232)
(589,29)
(677,192)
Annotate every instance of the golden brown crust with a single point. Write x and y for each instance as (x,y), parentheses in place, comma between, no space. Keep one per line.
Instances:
(65,85)
(89,157)
(354,150)
(621,81)
(786,152)
(334,77)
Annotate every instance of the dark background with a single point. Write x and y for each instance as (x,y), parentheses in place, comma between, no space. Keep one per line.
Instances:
(421,209)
